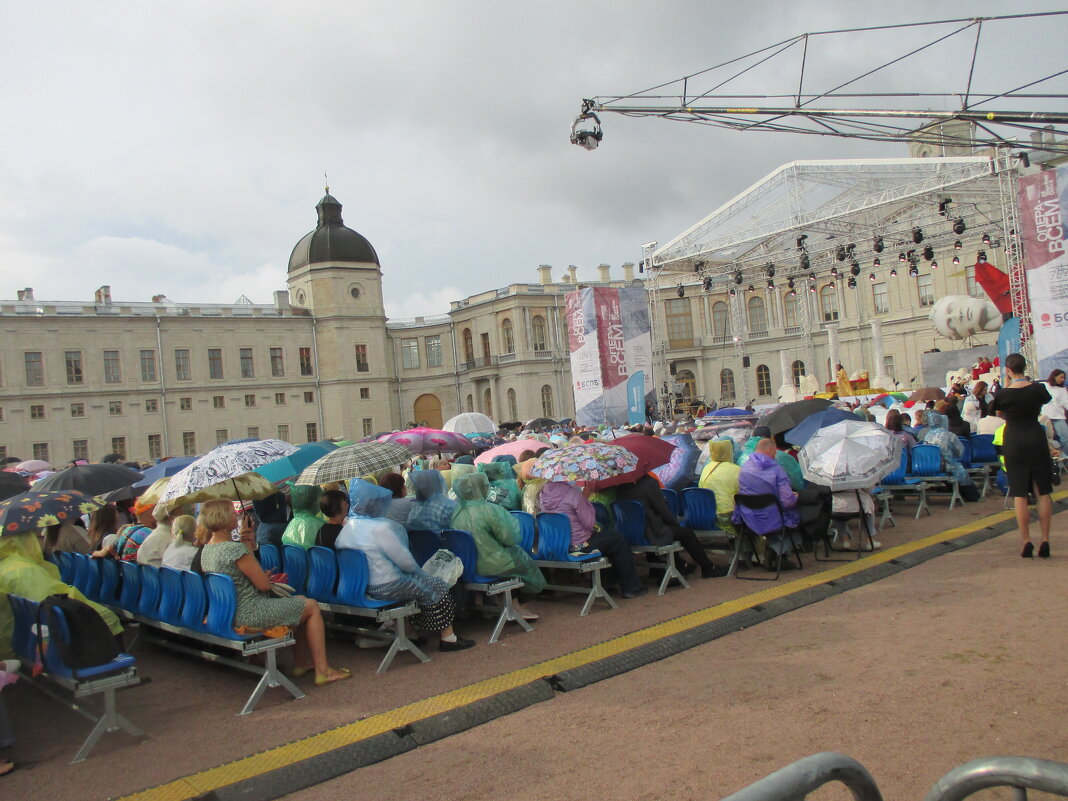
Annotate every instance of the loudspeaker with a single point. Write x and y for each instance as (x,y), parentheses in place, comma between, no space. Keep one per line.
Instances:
(745,361)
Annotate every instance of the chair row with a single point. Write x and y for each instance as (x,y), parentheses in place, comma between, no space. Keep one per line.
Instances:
(184,603)
(102,679)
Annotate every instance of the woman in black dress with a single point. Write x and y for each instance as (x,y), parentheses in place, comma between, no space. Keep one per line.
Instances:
(1026,452)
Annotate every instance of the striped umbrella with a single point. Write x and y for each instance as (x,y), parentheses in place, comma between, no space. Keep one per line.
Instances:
(353,461)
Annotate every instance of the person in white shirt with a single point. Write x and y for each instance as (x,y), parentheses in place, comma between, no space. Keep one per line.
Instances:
(1057,409)
(183,547)
(151,550)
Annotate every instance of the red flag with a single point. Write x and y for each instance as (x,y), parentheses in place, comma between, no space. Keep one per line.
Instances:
(996,285)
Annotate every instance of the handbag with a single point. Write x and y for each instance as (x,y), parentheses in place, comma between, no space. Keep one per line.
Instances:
(280,590)
(444,565)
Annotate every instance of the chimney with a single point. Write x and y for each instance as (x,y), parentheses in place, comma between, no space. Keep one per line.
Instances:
(103,296)
(605,273)
(25,294)
(545,272)
(572,270)
(628,272)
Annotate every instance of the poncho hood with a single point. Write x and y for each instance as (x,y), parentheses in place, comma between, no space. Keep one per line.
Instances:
(721,450)
(305,499)
(936,421)
(471,487)
(497,471)
(367,499)
(427,483)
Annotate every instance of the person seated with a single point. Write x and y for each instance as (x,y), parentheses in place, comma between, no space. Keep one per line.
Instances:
(956,424)
(334,506)
(394,574)
(65,538)
(458,469)
(721,476)
(530,487)
(762,475)
(662,527)
(919,425)
(938,434)
(306,520)
(132,535)
(565,498)
(503,491)
(152,549)
(273,514)
(849,504)
(183,547)
(431,510)
(402,503)
(257,609)
(102,533)
(894,423)
(496,535)
(785,460)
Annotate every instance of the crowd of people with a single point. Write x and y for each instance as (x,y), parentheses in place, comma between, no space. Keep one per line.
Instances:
(375,514)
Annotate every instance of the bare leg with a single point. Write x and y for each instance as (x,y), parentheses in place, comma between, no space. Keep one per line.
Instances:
(1045,514)
(1023,518)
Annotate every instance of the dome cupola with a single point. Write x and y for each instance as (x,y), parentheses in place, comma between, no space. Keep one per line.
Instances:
(331,241)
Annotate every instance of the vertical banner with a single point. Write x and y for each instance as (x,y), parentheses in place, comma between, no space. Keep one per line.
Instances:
(1043,198)
(610,343)
(636,398)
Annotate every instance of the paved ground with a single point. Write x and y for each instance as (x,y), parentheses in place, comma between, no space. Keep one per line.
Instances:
(956,645)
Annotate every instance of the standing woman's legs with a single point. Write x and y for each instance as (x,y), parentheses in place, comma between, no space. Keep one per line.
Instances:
(1045,513)
(1023,518)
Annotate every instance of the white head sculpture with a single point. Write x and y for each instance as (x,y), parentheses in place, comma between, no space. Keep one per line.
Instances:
(960,316)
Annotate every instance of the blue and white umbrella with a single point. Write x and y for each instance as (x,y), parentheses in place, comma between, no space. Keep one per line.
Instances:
(227,464)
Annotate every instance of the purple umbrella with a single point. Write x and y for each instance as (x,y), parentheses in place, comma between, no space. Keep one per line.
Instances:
(679,470)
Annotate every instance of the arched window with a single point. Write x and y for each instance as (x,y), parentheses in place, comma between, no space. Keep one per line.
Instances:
(789,310)
(721,319)
(538,333)
(469,346)
(546,401)
(726,384)
(470,403)
(689,383)
(513,412)
(829,303)
(509,335)
(763,380)
(487,403)
(758,315)
(798,371)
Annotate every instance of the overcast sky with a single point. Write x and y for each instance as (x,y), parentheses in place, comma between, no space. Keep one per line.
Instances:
(179,148)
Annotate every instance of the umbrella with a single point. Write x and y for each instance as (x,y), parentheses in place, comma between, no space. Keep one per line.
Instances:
(800,434)
(851,454)
(195,482)
(34,509)
(33,466)
(925,394)
(593,461)
(92,479)
(239,441)
(430,440)
(470,423)
(352,461)
(150,497)
(789,415)
(651,452)
(163,470)
(510,449)
(541,422)
(289,466)
(12,484)
(483,442)
(679,470)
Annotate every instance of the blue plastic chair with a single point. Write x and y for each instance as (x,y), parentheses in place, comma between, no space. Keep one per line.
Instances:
(675,504)
(927,466)
(983,450)
(423,544)
(900,481)
(352,580)
(527,530)
(109,580)
(630,519)
(170,596)
(554,539)
(222,606)
(131,586)
(295,561)
(148,601)
(23,640)
(700,507)
(86,576)
(966,458)
(462,544)
(66,566)
(59,635)
(270,558)
(322,574)
(194,601)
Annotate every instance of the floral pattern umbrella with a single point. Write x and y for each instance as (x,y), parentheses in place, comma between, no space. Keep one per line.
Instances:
(429,440)
(32,510)
(593,461)
(851,454)
(225,464)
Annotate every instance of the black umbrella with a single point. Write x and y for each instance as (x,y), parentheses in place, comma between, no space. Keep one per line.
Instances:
(92,479)
(789,415)
(12,484)
(540,422)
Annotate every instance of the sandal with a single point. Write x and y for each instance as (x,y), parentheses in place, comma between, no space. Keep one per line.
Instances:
(300,670)
(334,675)
(6,767)
(531,616)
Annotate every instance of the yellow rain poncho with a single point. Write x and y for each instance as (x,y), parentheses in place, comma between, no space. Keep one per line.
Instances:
(25,572)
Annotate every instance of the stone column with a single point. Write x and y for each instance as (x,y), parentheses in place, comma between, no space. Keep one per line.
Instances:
(832,343)
(879,376)
(787,391)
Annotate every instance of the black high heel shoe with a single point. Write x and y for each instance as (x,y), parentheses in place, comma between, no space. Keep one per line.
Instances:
(1028,550)
(1043,551)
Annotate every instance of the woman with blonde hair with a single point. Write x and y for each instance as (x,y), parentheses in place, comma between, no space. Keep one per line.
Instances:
(256,608)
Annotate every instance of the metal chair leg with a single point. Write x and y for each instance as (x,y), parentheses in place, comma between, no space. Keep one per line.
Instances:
(597,590)
(507,614)
(401,642)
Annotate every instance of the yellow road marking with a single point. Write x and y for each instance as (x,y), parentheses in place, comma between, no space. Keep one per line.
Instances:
(247,767)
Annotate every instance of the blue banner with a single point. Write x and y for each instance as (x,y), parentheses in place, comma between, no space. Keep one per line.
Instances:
(636,398)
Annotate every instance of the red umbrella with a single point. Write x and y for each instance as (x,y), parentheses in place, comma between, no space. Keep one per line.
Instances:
(652,452)
(429,440)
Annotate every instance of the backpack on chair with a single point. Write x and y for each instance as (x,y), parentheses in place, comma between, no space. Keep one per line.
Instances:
(90,643)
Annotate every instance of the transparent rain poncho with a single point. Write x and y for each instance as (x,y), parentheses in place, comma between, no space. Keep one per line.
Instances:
(431,510)
(306,521)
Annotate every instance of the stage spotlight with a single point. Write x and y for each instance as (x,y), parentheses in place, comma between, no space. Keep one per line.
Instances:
(707,283)
(871,277)
(901,257)
(840,253)
(812,289)
(751,288)
(854,269)
(771,284)
(792,292)
(934,264)
(913,271)
(893,272)
(812,277)
(834,272)
(769,270)
(957,245)
(877,263)
(789,283)
(738,277)
(943,205)
(731,293)
(928,253)
(852,282)
(917,235)
(958,226)
(801,241)
(956,259)
(986,239)
(681,291)
(877,244)
(832,285)
(981,255)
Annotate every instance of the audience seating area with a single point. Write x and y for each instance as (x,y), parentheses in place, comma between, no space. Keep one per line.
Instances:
(548,539)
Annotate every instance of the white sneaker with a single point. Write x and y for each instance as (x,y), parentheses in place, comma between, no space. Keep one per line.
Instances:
(11,665)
